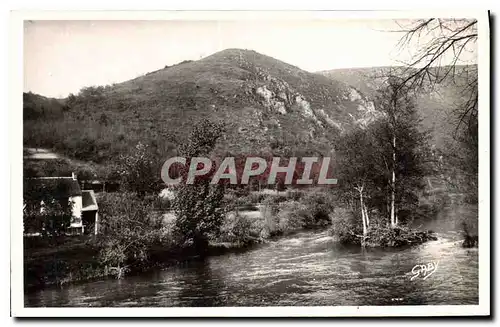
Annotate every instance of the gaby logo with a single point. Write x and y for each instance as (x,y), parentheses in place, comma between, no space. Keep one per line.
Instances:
(241,171)
(424,271)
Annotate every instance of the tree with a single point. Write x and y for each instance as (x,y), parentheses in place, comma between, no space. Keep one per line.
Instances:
(129,227)
(357,170)
(443,48)
(402,146)
(436,40)
(139,171)
(198,206)
(45,211)
(381,166)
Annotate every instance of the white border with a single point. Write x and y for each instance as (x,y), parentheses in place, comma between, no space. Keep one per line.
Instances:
(15,105)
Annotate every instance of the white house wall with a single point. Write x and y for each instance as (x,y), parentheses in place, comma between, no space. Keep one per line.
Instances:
(76,219)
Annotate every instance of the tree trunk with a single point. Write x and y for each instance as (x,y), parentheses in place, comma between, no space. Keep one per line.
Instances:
(363,216)
(394,219)
(367,217)
(200,244)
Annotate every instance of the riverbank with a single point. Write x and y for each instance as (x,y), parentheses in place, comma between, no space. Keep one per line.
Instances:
(125,219)
(251,220)
(76,260)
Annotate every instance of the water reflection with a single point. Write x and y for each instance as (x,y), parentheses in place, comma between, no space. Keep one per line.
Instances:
(201,279)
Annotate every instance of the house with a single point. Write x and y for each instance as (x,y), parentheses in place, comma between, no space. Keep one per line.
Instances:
(100,186)
(90,215)
(66,191)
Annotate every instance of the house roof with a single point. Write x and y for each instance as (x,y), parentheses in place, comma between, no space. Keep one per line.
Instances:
(89,202)
(56,187)
(46,167)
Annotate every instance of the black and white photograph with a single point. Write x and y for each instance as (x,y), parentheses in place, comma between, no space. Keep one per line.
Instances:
(278,163)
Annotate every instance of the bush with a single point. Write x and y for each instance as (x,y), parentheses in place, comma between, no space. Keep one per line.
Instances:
(159,203)
(46,208)
(320,205)
(469,234)
(200,207)
(256,197)
(274,199)
(386,236)
(130,229)
(344,227)
(200,211)
(237,229)
(295,195)
(293,215)
(282,215)
(268,211)
(244,204)
(139,171)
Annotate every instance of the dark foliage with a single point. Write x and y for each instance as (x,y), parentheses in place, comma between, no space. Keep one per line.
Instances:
(199,206)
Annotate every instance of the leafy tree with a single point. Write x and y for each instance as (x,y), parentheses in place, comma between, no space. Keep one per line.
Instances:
(401,145)
(357,172)
(139,171)
(44,211)
(129,227)
(199,206)
(381,166)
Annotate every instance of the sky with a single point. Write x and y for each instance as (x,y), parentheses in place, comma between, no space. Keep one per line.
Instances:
(61,57)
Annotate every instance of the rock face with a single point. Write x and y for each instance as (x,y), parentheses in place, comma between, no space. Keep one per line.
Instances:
(278,96)
(271,100)
(304,106)
(365,108)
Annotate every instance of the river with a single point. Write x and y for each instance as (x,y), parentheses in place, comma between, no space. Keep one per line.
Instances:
(304,269)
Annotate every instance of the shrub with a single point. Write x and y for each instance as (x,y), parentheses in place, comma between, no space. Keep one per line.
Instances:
(140,172)
(382,235)
(200,211)
(269,213)
(236,229)
(46,208)
(130,228)
(159,203)
(344,227)
(469,234)
(256,197)
(294,195)
(274,199)
(292,215)
(244,203)
(162,204)
(320,205)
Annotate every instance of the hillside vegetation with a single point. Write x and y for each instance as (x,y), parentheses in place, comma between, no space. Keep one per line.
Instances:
(36,106)
(437,107)
(267,105)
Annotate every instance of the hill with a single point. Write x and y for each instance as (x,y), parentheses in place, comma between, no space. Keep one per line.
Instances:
(36,106)
(267,105)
